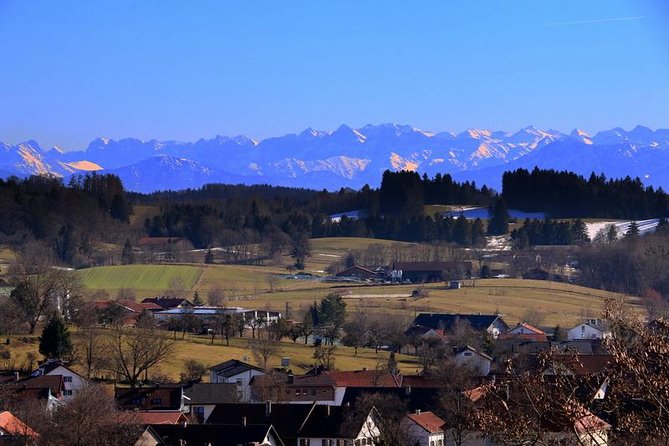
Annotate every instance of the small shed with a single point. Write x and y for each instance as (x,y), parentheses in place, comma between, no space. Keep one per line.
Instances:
(454,285)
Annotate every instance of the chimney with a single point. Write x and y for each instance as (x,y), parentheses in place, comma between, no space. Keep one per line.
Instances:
(244,421)
(364,369)
(417,411)
(268,408)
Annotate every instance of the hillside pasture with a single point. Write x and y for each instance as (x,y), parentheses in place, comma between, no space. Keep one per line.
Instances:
(146,280)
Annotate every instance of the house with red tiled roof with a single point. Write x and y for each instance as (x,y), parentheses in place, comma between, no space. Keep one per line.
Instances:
(13,429)
(526,332)
(424,428)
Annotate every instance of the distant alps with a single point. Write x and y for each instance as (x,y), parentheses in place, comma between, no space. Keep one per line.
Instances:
(349,157)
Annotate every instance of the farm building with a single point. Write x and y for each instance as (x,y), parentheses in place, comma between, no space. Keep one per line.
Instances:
(423,272)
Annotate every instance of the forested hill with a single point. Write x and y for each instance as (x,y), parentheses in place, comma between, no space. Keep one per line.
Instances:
(566,194)
(69,221)
(84,222)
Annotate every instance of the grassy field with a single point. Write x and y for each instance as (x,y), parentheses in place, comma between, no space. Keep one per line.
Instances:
(556,303)
(200,349)
(146,280)
(249,286)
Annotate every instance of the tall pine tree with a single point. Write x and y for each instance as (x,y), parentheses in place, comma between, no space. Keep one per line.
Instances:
(55,342)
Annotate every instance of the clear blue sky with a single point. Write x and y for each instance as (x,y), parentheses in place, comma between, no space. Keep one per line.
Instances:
(75,70)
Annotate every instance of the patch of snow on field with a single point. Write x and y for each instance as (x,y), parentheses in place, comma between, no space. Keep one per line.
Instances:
(645,226)
(499,242)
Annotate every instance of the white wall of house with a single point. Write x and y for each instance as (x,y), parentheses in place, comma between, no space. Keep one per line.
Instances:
(366,436)
(73,382)
(421,437)
(586,331)
(242,380)
(474,361)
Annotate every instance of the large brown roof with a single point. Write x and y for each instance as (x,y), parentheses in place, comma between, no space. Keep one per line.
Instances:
(13,426)
(428,421)
(364,378)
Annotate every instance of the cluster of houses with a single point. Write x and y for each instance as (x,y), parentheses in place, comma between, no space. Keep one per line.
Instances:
(242,404)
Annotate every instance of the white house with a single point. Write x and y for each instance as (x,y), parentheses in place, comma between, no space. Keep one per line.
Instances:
(473,359)
(236,372)
(73,382)
(424,429)
(591,329)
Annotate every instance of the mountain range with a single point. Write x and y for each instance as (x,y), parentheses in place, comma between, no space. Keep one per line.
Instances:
(349,157)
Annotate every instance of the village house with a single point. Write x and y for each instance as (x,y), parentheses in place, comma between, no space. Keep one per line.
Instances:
(160,397)
(200,399)
(591,329)
(492,324)
(330,426)
(474,360)
(425,272)
(46,389)
(72,381)
(238,373)
(526,332)
(168,303)
(209,435)
(424,429)
(285,418)
(15,431)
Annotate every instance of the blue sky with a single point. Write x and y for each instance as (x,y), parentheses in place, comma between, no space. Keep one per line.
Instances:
(72,71)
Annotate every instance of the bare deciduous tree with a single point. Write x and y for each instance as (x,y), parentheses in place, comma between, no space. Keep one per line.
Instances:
(131,352)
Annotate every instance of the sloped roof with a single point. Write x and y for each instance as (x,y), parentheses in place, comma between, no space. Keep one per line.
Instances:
(159,417)
(214,434)
(478,322)
(529,327)
(428,421)
(50,366)
(364,378)
(430,266)
(211,393)
(325,421)
(13,426)
(352,269)
(286,418)
(169,395)
(233,367)
(166,302)
(473,350)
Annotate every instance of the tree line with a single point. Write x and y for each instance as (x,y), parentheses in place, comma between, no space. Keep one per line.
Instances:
(568,195)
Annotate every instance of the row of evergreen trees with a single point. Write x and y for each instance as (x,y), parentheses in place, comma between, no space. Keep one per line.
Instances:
(568,195)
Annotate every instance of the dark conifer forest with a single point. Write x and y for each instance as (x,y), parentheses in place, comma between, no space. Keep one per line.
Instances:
(71,220)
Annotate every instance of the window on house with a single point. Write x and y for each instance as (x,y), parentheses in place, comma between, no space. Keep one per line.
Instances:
(67,379)
(136,401)
(440,442)
(313,391)
(67,392)
(240,381)
(467,353)
(298,392)
(157,401)
(304,442)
